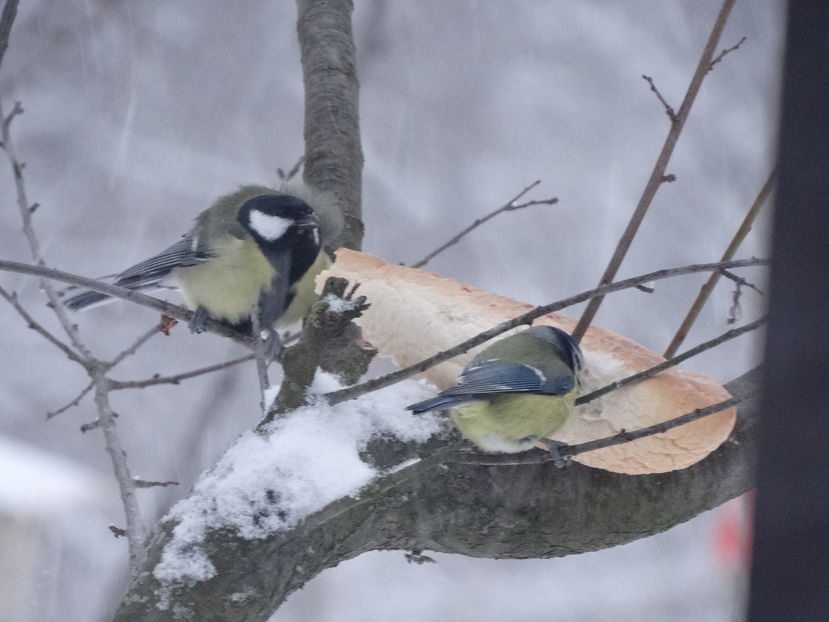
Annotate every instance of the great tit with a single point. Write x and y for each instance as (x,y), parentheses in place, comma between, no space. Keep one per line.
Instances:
(256,248)
(515,393)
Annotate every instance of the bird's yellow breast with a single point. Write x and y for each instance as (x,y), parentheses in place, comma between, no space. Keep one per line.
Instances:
(512,422)
(228,285)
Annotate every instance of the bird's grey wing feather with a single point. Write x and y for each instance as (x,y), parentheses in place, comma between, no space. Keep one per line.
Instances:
(151,271)
(148,275)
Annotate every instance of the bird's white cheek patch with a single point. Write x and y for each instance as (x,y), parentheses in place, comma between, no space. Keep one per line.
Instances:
(269,227)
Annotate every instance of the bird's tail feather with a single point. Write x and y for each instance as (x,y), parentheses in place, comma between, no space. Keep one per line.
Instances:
(86,299)
(440,402)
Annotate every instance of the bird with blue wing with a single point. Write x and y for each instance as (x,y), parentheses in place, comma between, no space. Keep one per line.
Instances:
(515,393)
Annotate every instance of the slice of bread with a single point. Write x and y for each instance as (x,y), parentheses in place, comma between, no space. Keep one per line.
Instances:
(415,313)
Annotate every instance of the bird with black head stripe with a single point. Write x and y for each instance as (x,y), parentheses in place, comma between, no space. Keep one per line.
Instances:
(254,250)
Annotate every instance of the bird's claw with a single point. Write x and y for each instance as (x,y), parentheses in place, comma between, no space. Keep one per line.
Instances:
(554,449)
(199,319)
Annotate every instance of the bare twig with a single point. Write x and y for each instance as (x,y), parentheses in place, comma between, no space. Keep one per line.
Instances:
(656,178)
(509,206)
(668,109)
(735,311)
(96,369)
(35,326)
(140,483)
(75,402)
(708,287)
(92,425)
(643,375)
(725,52)
(259,357)
(136,532)
(116,385)
(292,173)
(24,207)
(384,381)
(140,341)
(741,281)
(657,428)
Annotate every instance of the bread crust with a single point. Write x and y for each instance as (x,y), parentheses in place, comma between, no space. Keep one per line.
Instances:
(415,313)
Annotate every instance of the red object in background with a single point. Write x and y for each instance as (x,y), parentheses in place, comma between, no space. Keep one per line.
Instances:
(731,539)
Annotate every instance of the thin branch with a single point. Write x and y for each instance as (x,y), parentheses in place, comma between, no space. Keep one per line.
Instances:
(658,173)
(136,532)
(539,456)
(657,428)
(726,52)
(643,375)
(75,402)
(96,369)
(509,206)
(292,173)
(668,109)
(140,341)
(116,385)
(141,483)
(384,381)
(162,306)
(6,22)
(730,251)
(35,326)
(259,357)
(740,281)
(25,209)
(327,321)
(92,425)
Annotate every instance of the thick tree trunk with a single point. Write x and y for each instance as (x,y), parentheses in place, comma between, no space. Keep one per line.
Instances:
(527,511)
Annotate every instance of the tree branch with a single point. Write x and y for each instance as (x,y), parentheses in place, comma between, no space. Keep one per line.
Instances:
(122,293)
(502,512)
(643,375)
(136,531)
(658,173)
(509,206)
(325,324)
(539,456)
(38,328)
(116,385)
(74,402)
(333,155)
(336,397)
(730,251)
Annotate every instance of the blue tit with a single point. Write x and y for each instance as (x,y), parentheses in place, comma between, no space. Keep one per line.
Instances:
(515,393)
(253,249)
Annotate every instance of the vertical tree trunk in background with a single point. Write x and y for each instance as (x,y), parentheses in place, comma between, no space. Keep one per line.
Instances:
(790,571)
(333,154)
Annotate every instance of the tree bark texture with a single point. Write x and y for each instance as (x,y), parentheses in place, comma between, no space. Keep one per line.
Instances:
(516,512)
(333,154)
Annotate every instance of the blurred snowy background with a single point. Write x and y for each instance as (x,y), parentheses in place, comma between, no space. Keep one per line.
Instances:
(139,114)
